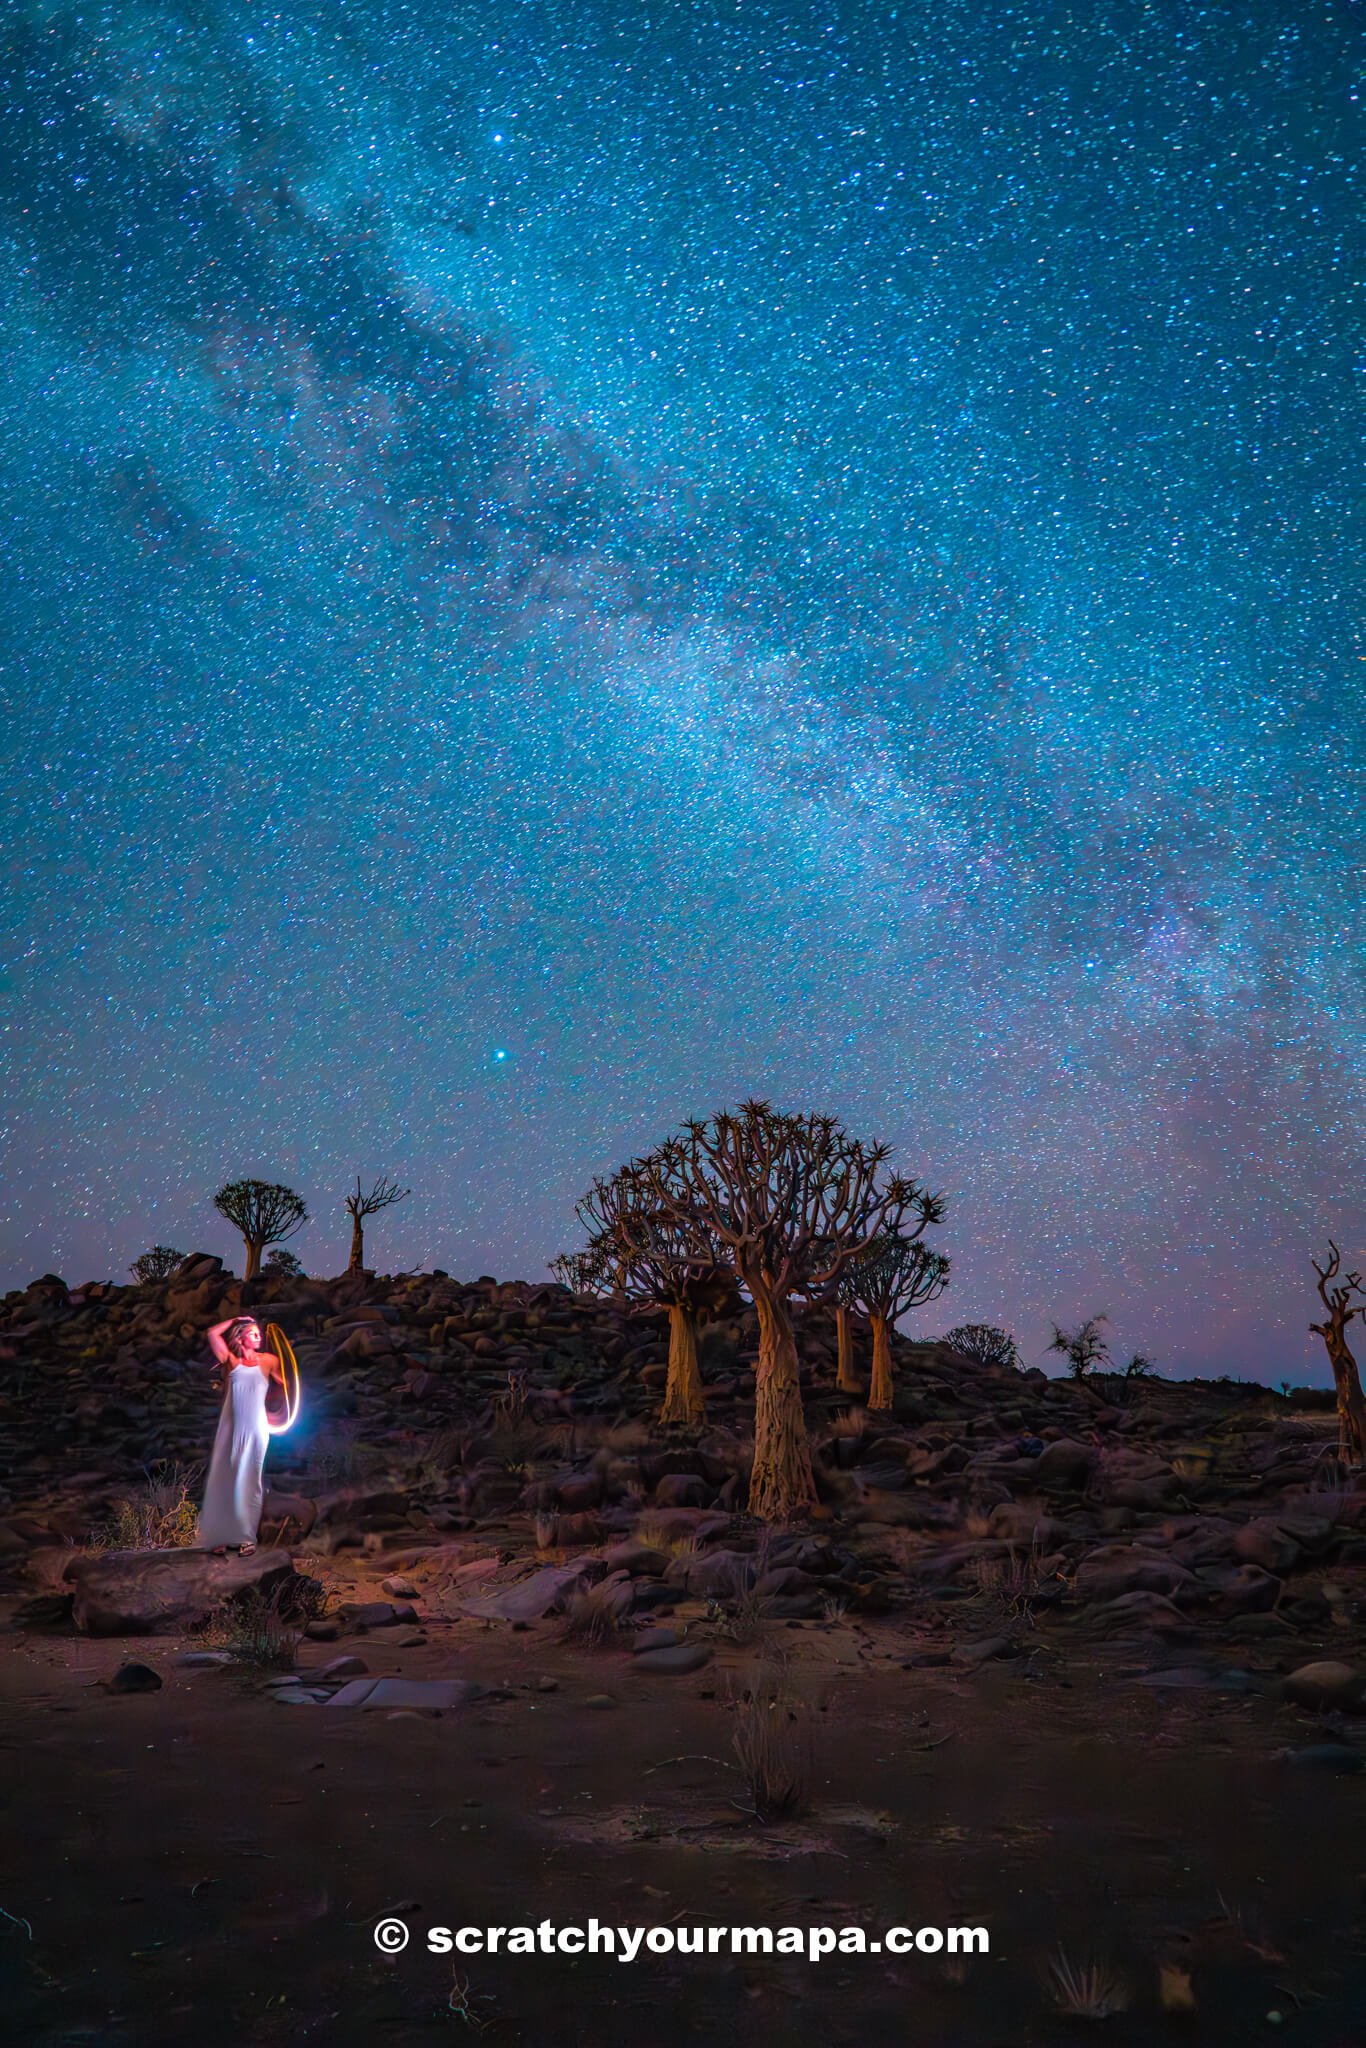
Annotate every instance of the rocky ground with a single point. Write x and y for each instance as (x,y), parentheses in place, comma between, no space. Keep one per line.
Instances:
(1084,1661)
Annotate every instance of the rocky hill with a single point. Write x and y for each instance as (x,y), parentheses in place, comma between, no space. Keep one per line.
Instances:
(438,1411)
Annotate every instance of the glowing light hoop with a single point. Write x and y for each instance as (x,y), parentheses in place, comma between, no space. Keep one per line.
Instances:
(289,1373)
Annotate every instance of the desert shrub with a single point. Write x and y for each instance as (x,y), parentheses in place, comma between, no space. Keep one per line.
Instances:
(264,1629)
(984,1343)
(746,1617)
(161,1515)
(284,1263)
(157,1264)
(1012,1582)
(256,1629)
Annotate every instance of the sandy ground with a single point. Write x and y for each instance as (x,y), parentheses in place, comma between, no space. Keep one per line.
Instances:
(203,1864)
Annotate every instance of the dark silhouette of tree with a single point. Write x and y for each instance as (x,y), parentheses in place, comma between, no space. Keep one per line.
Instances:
(896,1273)
(1344,1299)
(382,1195)
(1084,1348)
(985,1344)
(157,1264)
(649,1258)
(580,1272)
(284,1263)
(789,1201)
(263,1211)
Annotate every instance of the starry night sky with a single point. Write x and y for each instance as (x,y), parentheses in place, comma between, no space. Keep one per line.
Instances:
(569,563)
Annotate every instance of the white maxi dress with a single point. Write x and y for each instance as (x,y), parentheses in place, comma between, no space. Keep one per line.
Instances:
(231,1513)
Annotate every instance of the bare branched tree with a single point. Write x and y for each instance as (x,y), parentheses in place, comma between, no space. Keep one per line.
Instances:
(650,1258)
(263,1211)
(1344,1299)
(580,1272)
(897,1273)
(382,1195)
(1084,1348)
(789,1201)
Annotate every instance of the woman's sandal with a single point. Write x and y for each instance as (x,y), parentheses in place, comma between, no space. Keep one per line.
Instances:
(247,1550)
(219,1550)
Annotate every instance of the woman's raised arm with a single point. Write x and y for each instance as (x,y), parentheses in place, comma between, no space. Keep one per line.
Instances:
(216,1344)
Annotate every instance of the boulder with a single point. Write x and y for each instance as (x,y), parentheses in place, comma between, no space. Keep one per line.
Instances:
(1327,1683)
(682,1490)
(1266,1542)
(1065,1465)
(155,1592)
(1014,1522)
(673,1662)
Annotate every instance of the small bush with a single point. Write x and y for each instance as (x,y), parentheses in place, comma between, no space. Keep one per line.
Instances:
(258,1629)
(985,1344)
(157,1264)
(162,1514)
(1014,1582)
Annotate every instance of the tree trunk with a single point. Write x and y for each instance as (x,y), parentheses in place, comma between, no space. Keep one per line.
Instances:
(683,1388)
(1351,1401)
(253,1259)
(846,1379)
(357,1262)
(782,1484)
(880,1392)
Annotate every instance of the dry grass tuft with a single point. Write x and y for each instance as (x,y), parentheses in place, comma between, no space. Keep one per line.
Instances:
(593,1617)
(772,1745)
(1086,1990)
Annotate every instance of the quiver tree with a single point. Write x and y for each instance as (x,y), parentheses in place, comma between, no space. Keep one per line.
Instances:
(897,1273)
(1343,1300)
(649,1258)
(847,1379)
(263,1211)
(382,1195)
(789,1201)
(157,1264)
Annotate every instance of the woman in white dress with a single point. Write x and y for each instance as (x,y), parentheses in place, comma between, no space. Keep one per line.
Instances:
(231,1514)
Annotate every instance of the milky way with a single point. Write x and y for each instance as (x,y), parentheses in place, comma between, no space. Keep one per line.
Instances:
(566,564)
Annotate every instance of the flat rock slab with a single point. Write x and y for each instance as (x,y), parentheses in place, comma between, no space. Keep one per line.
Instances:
(431,1695)
(686,1657)
(545,1592)
(362,1615)
(157,1592)
(655,1639)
